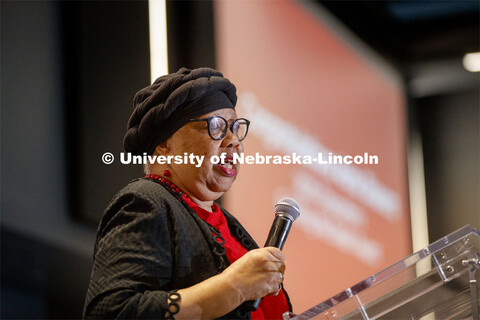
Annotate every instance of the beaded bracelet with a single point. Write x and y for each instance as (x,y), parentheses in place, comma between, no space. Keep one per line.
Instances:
(173,307)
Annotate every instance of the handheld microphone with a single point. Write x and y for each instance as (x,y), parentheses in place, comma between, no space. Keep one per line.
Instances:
(286,211)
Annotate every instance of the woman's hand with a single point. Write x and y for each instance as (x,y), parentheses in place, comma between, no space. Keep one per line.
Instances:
(257,274)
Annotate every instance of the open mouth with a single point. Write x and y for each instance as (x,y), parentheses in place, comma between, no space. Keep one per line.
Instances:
(227,167)
(227,163)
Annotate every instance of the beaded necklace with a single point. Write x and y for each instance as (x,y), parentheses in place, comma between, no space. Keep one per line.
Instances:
(170,186)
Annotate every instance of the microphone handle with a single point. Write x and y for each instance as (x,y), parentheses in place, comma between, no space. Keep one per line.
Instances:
(278,232)
(276,238)
(252,305)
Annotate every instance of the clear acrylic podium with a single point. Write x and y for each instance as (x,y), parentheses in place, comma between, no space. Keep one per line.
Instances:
(440,281)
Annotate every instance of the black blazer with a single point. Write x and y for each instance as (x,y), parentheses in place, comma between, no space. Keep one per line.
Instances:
(149,243)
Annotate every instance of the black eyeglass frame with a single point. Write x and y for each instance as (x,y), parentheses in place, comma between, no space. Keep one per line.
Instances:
(224,133)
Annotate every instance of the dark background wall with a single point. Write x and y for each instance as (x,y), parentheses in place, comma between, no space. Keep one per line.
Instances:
(449,125)
(106,60)
(69,71)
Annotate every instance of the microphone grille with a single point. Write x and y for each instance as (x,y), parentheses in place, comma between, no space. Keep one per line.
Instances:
(289,207)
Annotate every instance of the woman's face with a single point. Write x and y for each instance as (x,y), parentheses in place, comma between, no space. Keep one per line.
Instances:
(209,181)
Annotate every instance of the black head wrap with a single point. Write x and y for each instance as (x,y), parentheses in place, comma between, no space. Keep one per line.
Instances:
(165,106)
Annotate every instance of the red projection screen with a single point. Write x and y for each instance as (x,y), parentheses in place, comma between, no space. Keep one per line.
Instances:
(309,88)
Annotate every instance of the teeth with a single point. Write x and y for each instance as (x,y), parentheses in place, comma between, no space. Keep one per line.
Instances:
(227,165)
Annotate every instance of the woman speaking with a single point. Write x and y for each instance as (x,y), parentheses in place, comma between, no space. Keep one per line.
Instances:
(164,249)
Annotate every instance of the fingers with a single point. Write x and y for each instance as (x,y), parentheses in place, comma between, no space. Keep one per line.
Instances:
(281,271)
(258,273)
(279,286)
(277,257)
(278,270)
(270,258)
(279,261)
(275,252)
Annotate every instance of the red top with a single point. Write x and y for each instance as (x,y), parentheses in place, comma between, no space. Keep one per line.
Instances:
(271,307)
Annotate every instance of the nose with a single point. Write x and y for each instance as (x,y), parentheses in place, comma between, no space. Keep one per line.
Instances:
(231,141)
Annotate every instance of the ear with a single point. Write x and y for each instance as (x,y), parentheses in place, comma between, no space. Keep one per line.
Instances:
(163,148)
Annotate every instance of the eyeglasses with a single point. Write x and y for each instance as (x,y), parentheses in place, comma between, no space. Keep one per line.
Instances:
(218,126)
